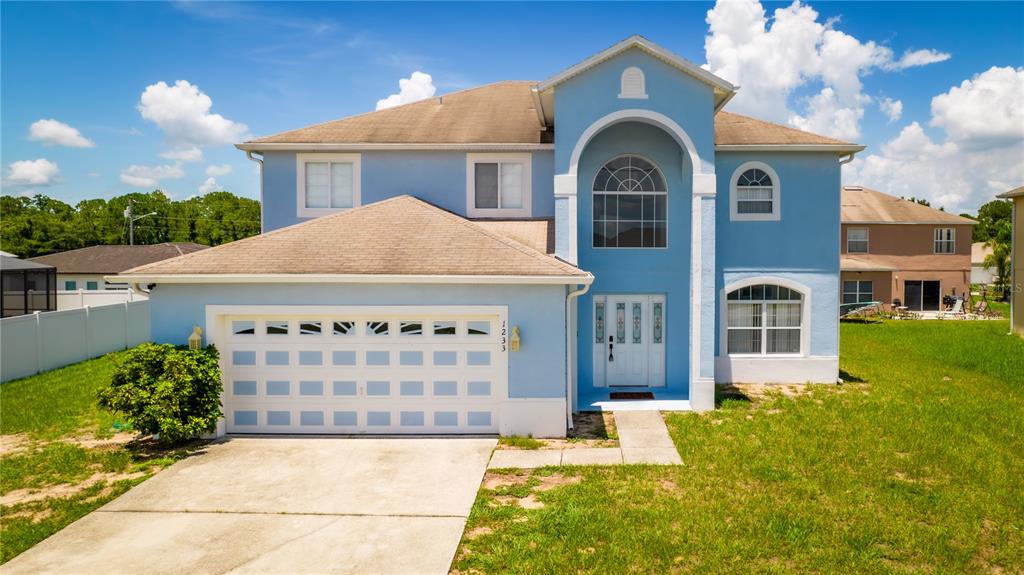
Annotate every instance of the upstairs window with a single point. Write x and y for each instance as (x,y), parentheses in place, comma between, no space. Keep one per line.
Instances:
(856,240)
(633,85)
(754,193)
(630,205)
(327,183)
(945,240)
(498,185)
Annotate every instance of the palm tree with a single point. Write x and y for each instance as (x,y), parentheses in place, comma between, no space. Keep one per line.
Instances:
(999,260)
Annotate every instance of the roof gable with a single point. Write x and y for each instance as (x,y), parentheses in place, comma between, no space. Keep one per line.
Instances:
(398,236)
(866,206)
(720,85)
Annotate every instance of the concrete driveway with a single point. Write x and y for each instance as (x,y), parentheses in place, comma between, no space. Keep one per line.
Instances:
(282,505)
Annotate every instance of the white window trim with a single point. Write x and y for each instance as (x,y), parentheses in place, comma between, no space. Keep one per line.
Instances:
(867,239)
(805,317)
(936,241)
(524,212)
(640,93)
(776,214)
(300,182)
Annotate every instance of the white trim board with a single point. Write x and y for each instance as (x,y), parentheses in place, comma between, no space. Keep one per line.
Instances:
(769,369)
(345,279)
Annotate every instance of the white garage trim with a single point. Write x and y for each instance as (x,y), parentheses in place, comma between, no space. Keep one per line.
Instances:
(329,371)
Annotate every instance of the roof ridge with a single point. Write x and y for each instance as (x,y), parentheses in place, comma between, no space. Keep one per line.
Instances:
(525,249)
(407,104)
(249,239)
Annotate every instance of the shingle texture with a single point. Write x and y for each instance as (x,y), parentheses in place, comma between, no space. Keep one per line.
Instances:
(863,205)
(539,234)
(114,259)
(500,113)
(936,262)
(398,236)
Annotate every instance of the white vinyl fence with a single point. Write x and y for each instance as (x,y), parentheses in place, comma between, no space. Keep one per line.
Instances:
(47,340)
(74,299)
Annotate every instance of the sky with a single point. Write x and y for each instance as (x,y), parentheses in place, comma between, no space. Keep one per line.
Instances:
(102,99)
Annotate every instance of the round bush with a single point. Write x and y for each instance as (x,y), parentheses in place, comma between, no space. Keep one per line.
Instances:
(167,390)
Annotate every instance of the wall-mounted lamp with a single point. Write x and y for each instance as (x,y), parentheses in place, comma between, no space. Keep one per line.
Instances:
(195,341)
(513,343)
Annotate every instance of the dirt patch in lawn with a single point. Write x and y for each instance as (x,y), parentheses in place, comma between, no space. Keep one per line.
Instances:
(14,443)
(63,490)
(521,489)
(89,441)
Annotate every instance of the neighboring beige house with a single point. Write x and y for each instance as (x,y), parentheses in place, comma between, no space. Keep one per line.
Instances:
(1016,195)
(898,251)
(980,273)
(80,272)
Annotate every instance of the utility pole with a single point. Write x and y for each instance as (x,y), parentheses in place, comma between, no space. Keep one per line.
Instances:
(131,221)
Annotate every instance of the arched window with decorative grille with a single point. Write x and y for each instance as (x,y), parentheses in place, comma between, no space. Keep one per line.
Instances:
(754,193)
(630,204)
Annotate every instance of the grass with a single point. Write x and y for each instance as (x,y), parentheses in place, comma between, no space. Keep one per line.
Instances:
(520,442)
(63,455)
(913,466)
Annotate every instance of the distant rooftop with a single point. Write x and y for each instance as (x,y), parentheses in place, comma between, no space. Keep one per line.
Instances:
(114,259)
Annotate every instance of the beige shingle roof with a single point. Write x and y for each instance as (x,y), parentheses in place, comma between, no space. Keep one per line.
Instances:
(114,259)
(539,234)
(928,262)
(1014,193)
(500,113)
(863,206)
(398,236)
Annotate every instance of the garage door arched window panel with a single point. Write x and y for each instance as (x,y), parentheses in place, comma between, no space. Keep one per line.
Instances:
(630,204)
(764,319)
(754,193)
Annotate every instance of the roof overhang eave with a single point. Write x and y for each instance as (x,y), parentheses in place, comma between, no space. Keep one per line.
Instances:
(831,148)
(339,147)
(143,278)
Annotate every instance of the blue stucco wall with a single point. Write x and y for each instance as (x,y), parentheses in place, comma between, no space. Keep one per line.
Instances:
(438,177)
(803,245)
(537,370)
(628,270)
(584,99)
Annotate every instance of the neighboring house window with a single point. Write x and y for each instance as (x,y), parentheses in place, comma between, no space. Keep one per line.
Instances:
(754,193)
(70,285)
(630,205)
(856,240)
(498,185)
(858,291)
(92,285)
(633,85)
(764,319)
(945,240)
(327,183)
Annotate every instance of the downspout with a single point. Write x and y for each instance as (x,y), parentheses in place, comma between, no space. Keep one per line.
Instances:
(847,159)
(249,155)
(569,334)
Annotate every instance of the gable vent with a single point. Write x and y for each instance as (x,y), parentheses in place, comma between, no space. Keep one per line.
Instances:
(633,85)
(853,188)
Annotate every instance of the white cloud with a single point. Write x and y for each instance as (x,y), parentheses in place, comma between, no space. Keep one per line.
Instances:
(985,111)
(412,89)
(150,176)
(216,171)
(973,162)
(893,109)
(182,111)
(39,172)
(188,154)
(209,185)
(770,58)
(55,133)
(911,59)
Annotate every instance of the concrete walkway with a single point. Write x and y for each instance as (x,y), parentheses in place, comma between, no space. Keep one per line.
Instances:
(643,438)
(282,505)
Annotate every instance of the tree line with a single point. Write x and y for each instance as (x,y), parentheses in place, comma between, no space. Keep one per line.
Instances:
(40,225)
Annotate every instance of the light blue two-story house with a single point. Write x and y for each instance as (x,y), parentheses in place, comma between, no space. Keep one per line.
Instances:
(494,259)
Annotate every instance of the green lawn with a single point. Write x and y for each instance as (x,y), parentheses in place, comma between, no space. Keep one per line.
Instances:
(62,456)
(916,465)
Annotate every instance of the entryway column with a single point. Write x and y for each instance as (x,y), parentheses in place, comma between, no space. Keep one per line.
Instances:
(702,294)
(565,217)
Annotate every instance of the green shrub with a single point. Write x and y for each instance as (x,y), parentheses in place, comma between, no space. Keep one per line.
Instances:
(167,390)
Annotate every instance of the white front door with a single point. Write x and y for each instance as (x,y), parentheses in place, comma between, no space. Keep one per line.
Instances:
(629,340)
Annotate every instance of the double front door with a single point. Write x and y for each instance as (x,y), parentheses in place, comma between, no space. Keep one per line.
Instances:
(629,340)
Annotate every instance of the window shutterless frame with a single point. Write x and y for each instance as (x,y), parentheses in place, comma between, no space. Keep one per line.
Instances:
(945,240)
(776,186)
(300,181)
(650,187)
(857,240)
(525,211)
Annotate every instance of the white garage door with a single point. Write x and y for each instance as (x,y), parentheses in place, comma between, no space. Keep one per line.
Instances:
(363,369)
